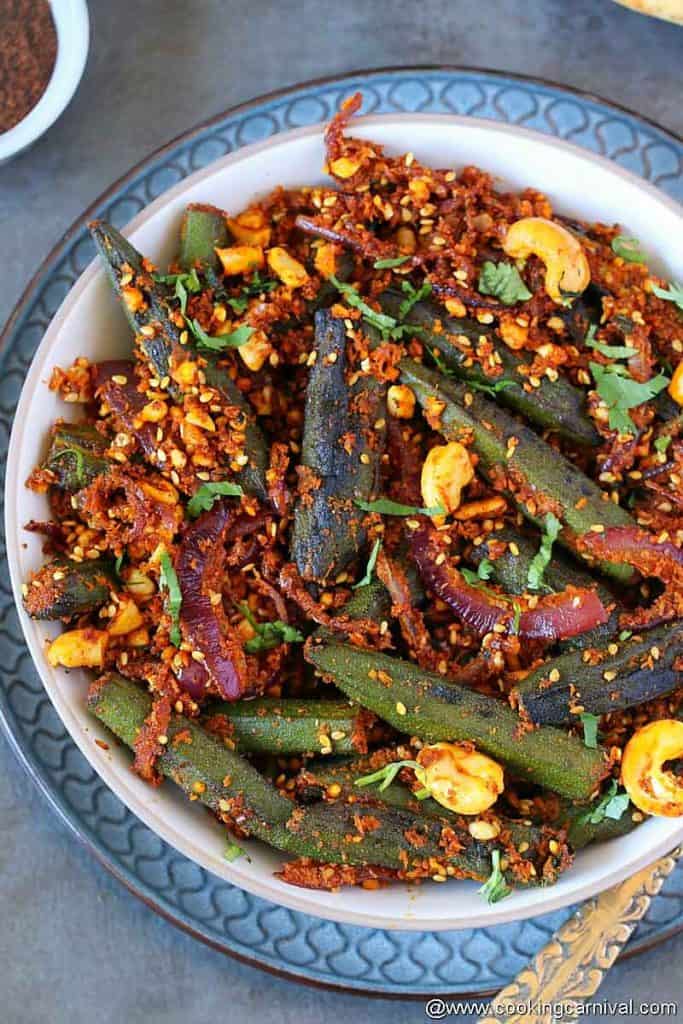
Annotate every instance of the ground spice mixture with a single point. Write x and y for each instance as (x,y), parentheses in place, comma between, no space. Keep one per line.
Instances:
(28,49)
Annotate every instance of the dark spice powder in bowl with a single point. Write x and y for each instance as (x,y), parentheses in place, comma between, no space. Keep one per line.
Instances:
(28,50)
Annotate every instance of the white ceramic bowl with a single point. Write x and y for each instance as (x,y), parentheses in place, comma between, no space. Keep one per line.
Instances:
(89,323)
(73,36)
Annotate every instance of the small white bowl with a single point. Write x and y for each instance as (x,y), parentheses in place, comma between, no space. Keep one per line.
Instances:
(73,39)
(89,323)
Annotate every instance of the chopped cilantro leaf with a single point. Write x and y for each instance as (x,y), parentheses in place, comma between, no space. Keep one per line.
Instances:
(390,263)
(387,507)
(629,249)
(386,775)
(493,388)
(204,497)
(590,729)
(269,634)
(413,295)
(674,293)
(517,617)
(495,887)
(484,569)
(240,336)
(255,287)
(168,580)
(610,351)
(620,393)
(541,559)
(370,568)
(662,443)
(233,851)
(625,634)
(384,323)
(503,280)
(611,805)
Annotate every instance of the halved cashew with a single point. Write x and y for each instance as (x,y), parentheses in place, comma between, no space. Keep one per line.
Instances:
(128,618)
(255,352)
(241,259)
(161,491)
(79,648)
(566,267)
(460,778)
(652,788)
(250,227)
(290,271)
(676,386)
(446,470)
(401,401)
(139,583)
(326,259)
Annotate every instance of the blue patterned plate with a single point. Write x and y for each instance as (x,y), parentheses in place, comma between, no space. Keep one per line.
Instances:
(277,939)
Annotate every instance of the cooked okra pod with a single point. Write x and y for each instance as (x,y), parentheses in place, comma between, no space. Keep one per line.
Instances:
(424,704)
(271,725)
(64,589)
(554,405)
(340,453)
(537,477)
(511,571)
(76,456)
(621,675)
(206,769)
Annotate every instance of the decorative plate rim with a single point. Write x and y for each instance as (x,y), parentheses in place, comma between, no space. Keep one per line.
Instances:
(59,249)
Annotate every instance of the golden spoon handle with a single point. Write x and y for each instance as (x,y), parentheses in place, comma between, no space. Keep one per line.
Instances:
(572,965)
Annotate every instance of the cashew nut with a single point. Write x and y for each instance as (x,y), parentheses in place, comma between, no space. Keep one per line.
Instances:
(460,778)
(446,470)
(652,788)
(566,267)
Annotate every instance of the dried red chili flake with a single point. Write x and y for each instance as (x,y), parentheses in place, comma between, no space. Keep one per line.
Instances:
(28,50)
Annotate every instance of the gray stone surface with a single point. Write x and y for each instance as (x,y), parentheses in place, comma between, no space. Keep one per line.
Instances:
(74,945)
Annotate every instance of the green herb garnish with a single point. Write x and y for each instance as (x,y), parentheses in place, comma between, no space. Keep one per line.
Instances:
(516,618)
(387,507)
(386,775)
(256,286)
(370,567)
(413,295)
(233,851)
(168,580)
(78,456)
(389,264)
(590,729)
(629,249)
(620,393)
(625,634)
(610,351)
(493,388)
(611,805)
(240,336)
(541,559)
(381,321)
(662,443)
(495,887)
(503,280)
(484,570)
(674,293)
(205,496)
(184,283)
(118,564)
(269,634)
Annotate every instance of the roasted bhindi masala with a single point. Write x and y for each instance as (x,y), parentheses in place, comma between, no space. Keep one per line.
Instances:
(373,541)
